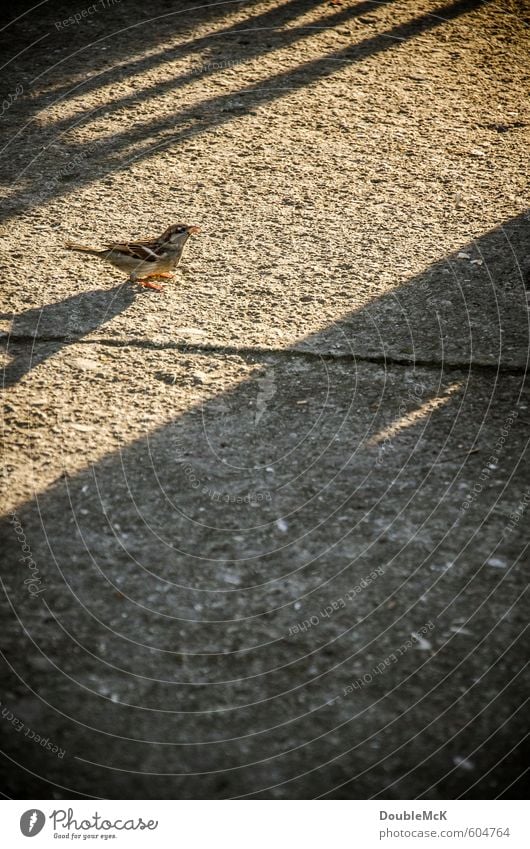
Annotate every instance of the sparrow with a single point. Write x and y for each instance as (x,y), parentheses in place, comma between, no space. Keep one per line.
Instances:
(148,258)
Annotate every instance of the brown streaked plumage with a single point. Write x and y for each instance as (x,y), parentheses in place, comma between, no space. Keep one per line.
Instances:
(147,258)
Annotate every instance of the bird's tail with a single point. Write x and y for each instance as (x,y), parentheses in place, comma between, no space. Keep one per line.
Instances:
(73,247)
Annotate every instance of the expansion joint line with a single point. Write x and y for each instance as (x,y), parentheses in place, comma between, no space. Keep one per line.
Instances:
(387,360)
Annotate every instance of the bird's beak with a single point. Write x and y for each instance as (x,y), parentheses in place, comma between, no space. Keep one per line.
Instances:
(193,229)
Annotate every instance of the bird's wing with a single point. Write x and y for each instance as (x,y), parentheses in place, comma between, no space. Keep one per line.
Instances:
(142,251)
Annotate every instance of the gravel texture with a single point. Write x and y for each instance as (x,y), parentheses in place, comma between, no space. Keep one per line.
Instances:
(273,518)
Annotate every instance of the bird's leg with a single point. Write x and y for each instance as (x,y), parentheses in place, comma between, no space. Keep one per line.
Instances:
(148,285)
(133,278)
(155,286)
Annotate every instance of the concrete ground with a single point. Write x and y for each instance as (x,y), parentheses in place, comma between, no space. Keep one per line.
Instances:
(265,531)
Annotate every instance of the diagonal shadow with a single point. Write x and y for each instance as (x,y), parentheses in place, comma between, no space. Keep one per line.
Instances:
(271,20)
(15,28)
(164,652)
(59,324)
(219,110)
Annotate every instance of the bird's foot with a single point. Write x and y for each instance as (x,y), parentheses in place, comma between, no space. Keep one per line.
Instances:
(148,285)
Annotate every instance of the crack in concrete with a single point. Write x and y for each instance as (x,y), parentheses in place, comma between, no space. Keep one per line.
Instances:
(250,351)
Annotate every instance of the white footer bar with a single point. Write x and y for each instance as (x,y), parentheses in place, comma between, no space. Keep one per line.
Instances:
(265,824)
